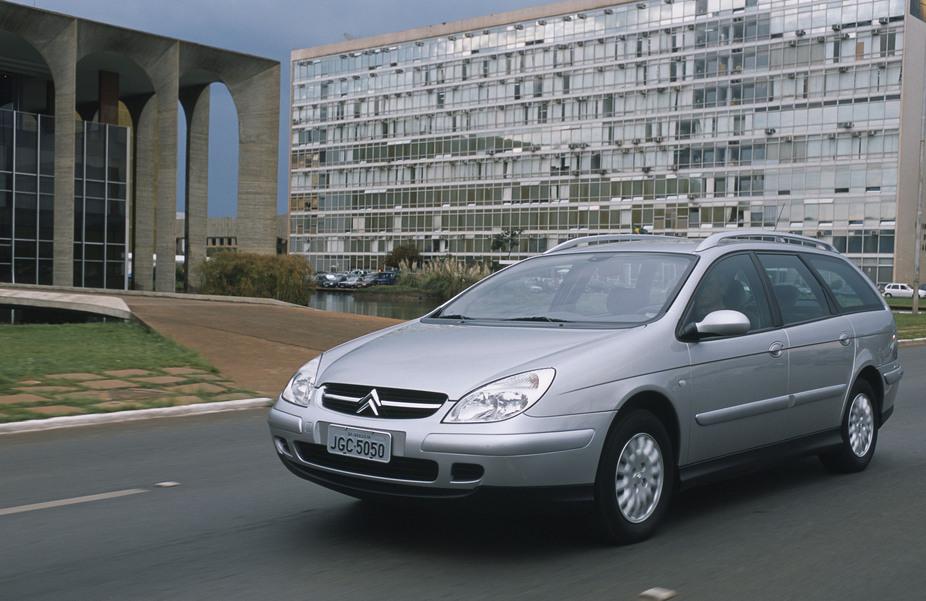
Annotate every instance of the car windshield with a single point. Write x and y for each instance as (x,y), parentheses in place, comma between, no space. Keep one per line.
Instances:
(607,288)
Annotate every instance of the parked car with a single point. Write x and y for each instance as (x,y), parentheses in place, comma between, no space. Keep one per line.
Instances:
(329,280)
(902,291)
(364,281)
(642,365)
(386,278)
(349,281)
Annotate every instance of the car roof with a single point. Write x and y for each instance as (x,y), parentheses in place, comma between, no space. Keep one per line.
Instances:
(675,244)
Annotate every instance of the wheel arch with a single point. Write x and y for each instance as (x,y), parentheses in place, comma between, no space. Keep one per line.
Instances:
(661,407)
(870,375)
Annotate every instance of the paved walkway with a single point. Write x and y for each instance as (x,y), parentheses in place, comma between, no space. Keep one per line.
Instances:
(257,345)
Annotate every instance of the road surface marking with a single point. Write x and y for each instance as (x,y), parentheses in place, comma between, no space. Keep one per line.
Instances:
(71,501)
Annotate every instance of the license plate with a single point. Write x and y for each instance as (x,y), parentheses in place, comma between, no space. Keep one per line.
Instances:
(365,444)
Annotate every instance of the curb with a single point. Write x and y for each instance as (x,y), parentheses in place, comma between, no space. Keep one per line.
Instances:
(50,423)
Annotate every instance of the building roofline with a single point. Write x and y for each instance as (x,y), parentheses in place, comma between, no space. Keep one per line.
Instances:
(10,8)
(524,14)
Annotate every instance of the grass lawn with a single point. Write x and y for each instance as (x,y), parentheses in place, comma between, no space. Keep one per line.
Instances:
(911,326)
(36,350)
(67,369)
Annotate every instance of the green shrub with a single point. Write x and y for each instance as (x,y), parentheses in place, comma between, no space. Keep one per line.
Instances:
(283,277)
(444,278)
(407,254)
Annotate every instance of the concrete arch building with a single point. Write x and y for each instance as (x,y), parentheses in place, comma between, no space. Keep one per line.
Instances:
(81,188)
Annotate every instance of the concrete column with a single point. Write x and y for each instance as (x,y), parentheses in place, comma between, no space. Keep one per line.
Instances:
(196,105)
(60,51)
(257,100)
(164,72)
(144,194)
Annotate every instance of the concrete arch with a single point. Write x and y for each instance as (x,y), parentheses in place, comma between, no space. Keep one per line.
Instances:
(255,91)
(93,66)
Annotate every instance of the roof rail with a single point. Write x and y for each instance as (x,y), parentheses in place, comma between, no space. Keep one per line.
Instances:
(604,238)
(764,236)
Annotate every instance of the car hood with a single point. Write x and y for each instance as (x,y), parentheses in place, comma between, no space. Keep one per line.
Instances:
(454,358)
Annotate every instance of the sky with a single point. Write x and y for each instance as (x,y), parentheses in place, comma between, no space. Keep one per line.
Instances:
(270,29)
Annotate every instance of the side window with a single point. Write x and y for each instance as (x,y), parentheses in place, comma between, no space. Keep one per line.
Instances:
(731,283)
(798,294)
(852,290)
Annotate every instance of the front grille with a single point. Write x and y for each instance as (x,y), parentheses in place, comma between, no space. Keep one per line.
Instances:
(385,403)
(398,468)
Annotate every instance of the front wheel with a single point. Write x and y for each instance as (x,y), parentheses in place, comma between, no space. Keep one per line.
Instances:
(859,430)
(636,476)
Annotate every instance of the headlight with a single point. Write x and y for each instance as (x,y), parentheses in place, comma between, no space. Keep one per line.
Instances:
(300,387)
(501,399)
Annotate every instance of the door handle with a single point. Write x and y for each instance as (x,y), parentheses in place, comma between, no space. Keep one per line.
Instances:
(776,349)
(845,339)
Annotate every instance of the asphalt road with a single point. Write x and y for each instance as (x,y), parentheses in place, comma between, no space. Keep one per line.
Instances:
(200,508)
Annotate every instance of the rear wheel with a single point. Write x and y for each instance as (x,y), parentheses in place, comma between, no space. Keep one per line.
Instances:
(859,431)
(635,479)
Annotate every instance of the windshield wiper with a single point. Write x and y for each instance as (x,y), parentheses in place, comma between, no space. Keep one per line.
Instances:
(452,316)
(539,318)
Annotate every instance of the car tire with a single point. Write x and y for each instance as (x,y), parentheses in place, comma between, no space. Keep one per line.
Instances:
(636,476)
(859,431)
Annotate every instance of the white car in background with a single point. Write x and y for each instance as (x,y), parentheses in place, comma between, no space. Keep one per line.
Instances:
(901,291)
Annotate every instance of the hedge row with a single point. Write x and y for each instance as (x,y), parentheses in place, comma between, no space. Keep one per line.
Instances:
(287,278)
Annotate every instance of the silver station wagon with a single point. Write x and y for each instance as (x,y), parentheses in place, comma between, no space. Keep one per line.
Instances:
(612,370)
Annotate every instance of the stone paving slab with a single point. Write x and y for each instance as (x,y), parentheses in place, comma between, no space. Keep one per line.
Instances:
(184,370)
(107,384)
(160,380)
(76,376)
(127,373)
(187,400)
(48,389)
(200,387)
(11,399)
(58,410)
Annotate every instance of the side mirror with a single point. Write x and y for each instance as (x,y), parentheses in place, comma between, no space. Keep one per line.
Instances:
(717,323)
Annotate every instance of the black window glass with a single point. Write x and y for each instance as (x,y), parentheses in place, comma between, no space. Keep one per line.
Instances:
(732,283)
(798,294)
(851,289)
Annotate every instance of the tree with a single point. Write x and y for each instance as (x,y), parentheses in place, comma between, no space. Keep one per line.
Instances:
(408,253)
(506,241)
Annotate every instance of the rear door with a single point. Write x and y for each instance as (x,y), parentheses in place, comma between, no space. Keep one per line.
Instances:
(821,345)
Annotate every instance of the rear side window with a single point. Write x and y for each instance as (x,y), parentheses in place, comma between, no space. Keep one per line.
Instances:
(851,289)
(800,297)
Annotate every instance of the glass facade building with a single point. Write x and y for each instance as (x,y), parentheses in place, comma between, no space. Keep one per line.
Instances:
(682,117)
(27,201)
(26,197)
(101,189)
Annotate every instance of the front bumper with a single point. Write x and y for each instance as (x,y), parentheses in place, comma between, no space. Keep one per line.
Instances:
(553,458)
